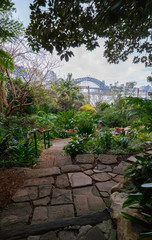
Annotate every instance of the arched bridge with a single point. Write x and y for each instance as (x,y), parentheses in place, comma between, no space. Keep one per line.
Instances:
(100,84)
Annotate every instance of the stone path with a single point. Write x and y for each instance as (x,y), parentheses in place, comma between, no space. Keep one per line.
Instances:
(59,189)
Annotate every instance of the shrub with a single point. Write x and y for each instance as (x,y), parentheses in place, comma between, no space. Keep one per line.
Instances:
(76,146)
(84,123)
(140,173)
(88,108)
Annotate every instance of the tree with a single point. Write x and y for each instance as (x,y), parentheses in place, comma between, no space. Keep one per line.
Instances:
(9,29)
(28,83)
(62,24)
(67,94)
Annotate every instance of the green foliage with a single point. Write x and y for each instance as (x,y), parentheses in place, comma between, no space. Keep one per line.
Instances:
(63,134)
(6,61)
(76,145)
(67,94)
(65,119)
(142,109)
(88,108)
(84,123)
(96,19)
(100,106)
(111,117)
(44,120)
(8,26)
(140,173)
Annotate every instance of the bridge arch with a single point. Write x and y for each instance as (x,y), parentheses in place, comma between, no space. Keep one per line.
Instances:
(100,84)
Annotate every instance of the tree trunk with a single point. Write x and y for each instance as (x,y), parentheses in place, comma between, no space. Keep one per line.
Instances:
(41,228)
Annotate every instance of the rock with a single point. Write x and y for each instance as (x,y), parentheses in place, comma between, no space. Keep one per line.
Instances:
(62,181)
(107,228)
(120,169)
(94,233)
(33,238)
(63,160)
(87,200)
(125,228)
(44,172)
(48,236)
(105,194)
(104,168)
(88,172)
(85,158)
(44,190)
(70,168)
(25,194)
(107,158)
(61,196)
(119,179)
(112,174)
(86,166)
(132,159)
(67,235)
(39,181)
(105,186)
(101,177)
(39,215)
(117,188)
(79,179)
(60,212)
(16,215)
(41,202)
(83,230)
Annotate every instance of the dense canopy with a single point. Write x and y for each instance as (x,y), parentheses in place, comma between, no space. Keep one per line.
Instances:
(125,24)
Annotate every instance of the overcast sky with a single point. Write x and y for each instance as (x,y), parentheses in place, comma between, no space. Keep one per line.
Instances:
(92,64)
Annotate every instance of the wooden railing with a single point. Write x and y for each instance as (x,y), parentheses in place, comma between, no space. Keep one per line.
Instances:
(46,139)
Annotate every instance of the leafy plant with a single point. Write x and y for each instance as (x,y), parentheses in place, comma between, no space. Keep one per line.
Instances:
(76,145)
(140,173)
(84,123)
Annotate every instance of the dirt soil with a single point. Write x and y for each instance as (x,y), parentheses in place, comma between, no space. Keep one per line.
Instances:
(10,181)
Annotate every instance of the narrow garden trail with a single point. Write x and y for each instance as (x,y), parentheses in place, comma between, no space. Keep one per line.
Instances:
(60,187)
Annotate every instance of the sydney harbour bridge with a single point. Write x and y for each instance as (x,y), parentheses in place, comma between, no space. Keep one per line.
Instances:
(92,88)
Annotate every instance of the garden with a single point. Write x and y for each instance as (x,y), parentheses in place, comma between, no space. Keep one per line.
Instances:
(34,109)
(121,128)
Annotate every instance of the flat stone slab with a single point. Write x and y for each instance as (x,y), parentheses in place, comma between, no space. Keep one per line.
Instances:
(40,215)
(132,159)
(120,169)
(44,190)
(66,235)
(70,168)
(107,158)
(87,200)
(86,166)
(39,181)
(85,158)
(101,177)
(25,194)
(103,168)
(94,233)
(61,196)
(63,160)
(62,181)
(43,172)
(105,186)
(15,215)
(88,172)
(60,212)
(42,201)
(119,178)
(79,179)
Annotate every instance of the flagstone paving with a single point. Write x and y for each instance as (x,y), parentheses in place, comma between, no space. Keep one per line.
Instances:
(61,187)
